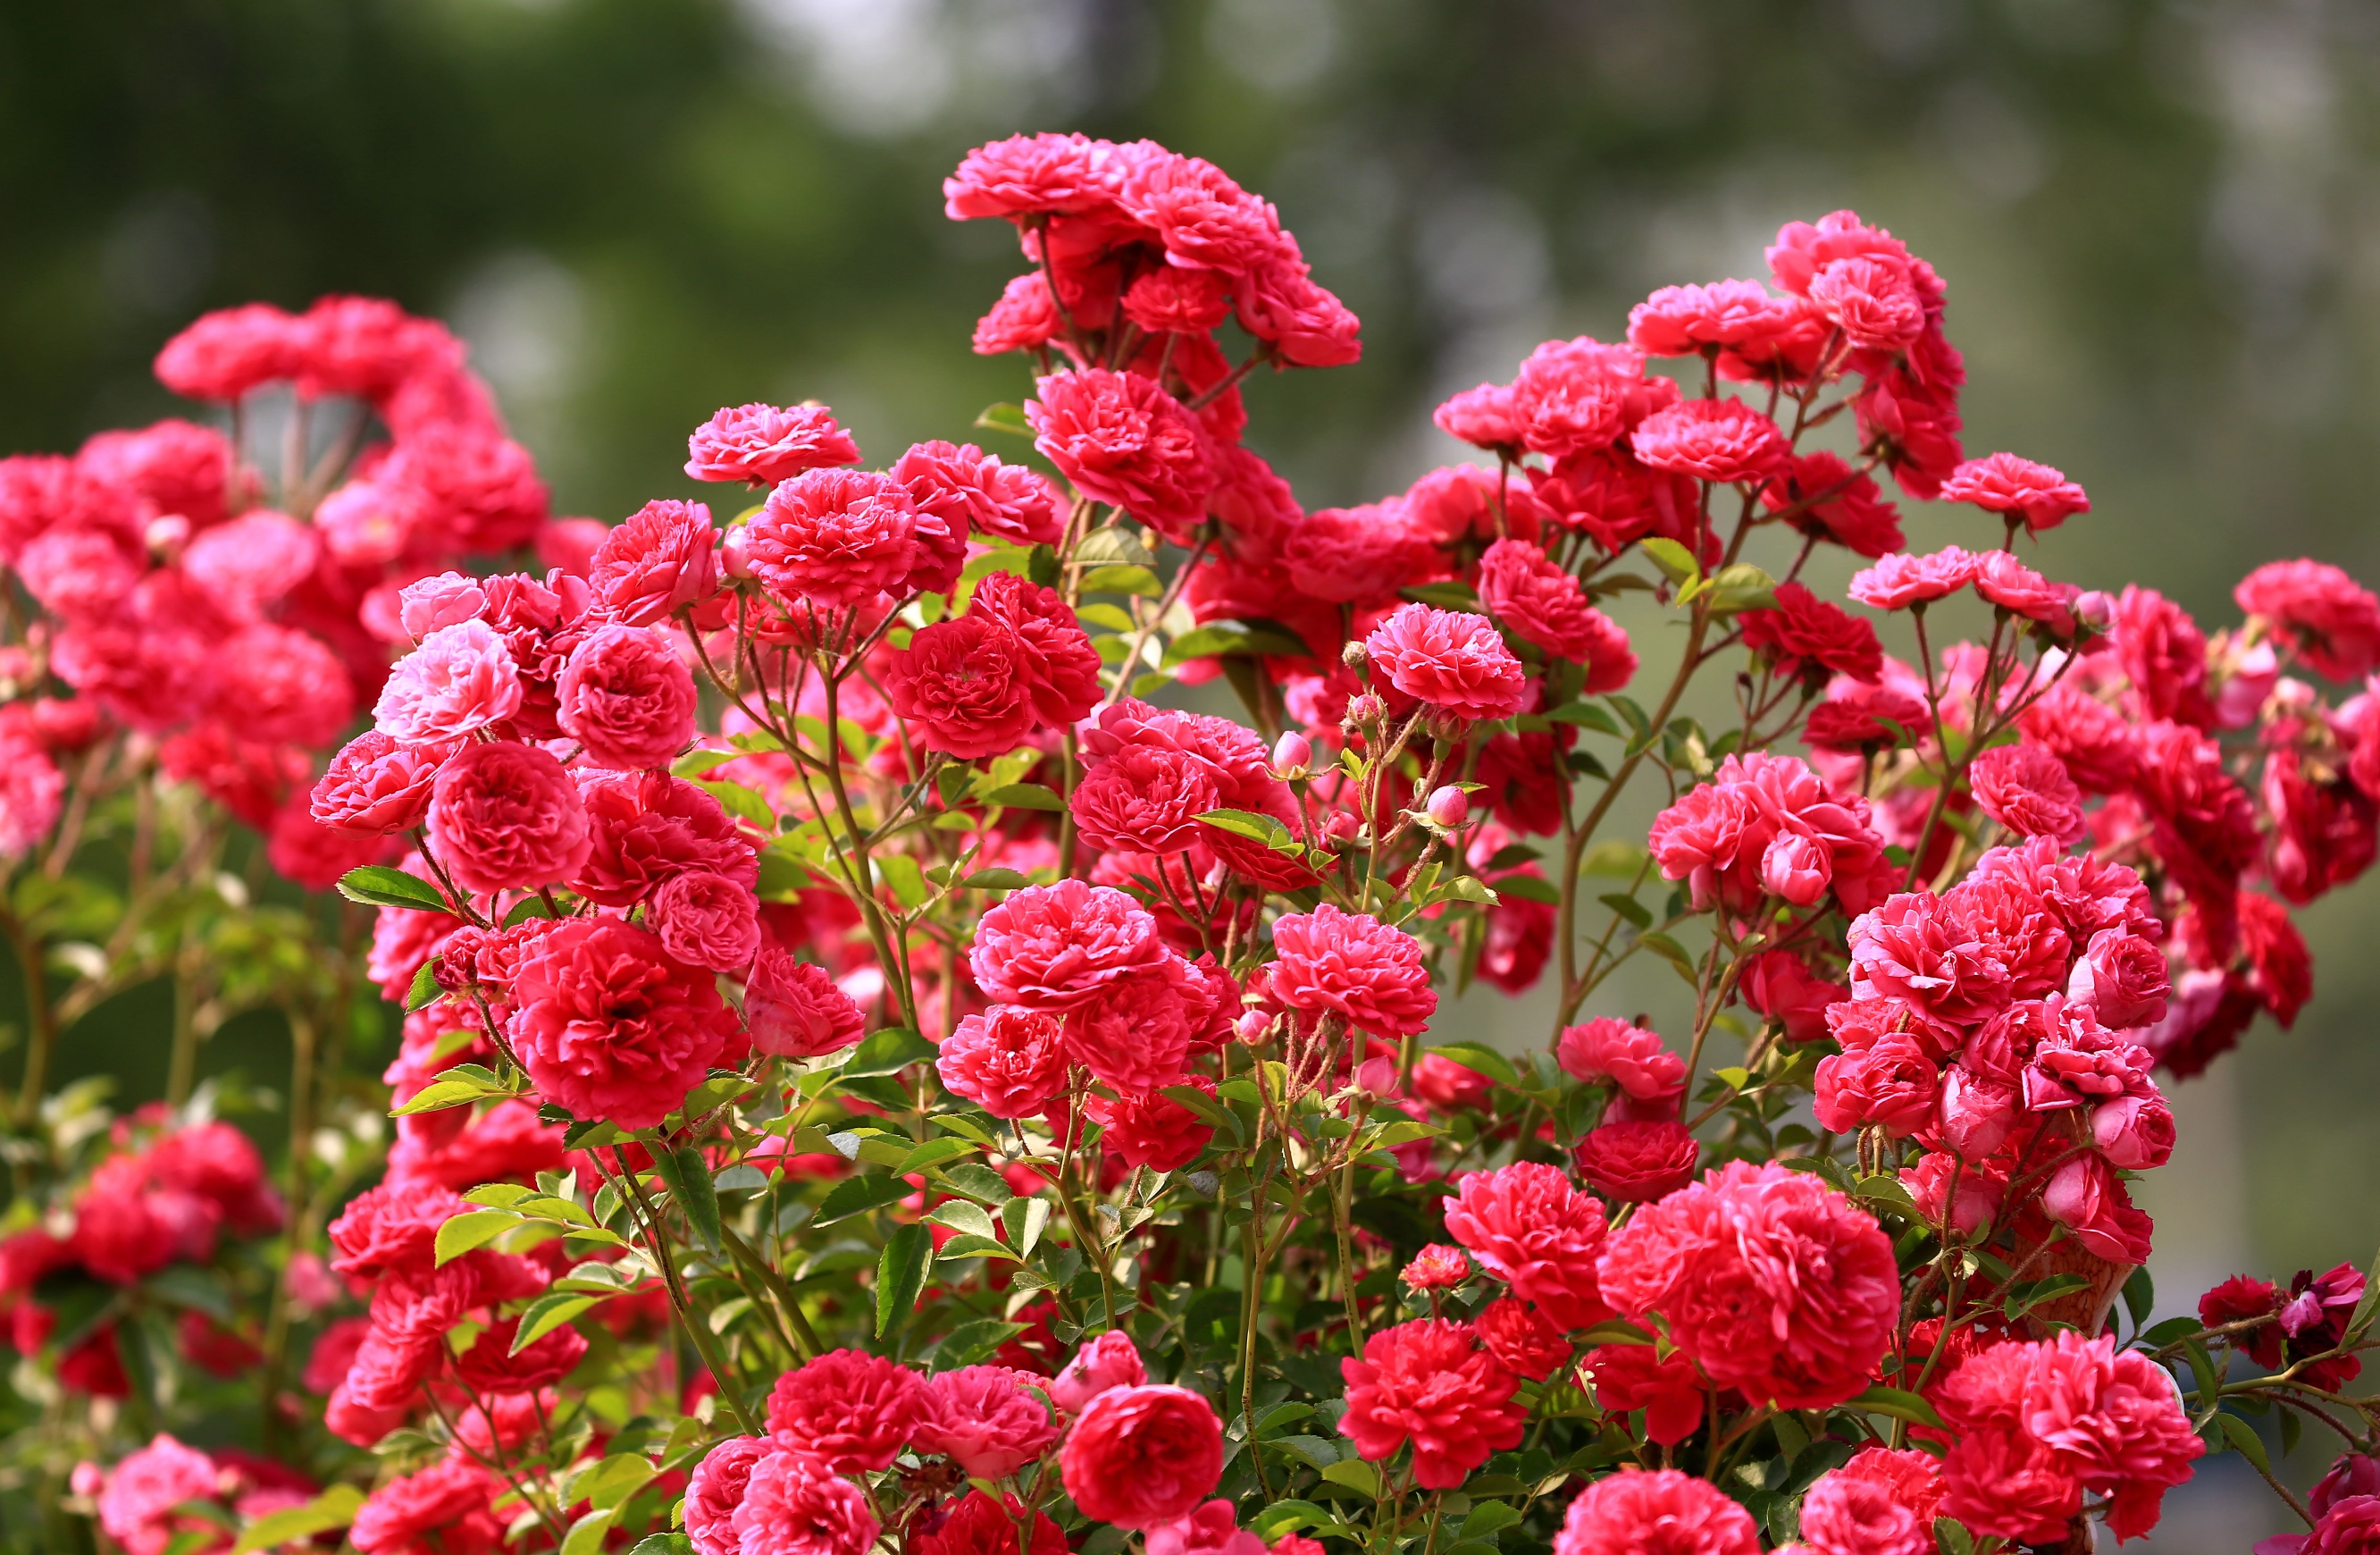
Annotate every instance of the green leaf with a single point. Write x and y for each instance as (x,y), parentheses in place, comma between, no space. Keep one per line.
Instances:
(1487,1060)
(670,1543)
(995,879)
(586,1535)
(1113,545)
(1356,1475)
(888,1052)
(1741,586)
(1630,909)
(473,1228)
(1671,952)
(333,1510)
(1025,796)
(459,1087)
(1210,1111)
(901,1275)
(1613,859)
(1451,594)
(1218,638)
(858,1195)
(1256,826)
(1529,888)
(2165,1333)
(689,1176)
(932,1153)
(972,1220)
(1121,580)
(1677,563)
(971,1342)
(2033,1292)
(425,986)
(739,802)
(1886,1189)
(1005,418)
(1615,1332)
(377,886)
(547,1313)
(1898,1403)
(2242,1436)
(908,880)
(977,1181)
(524,909)
(693,763)
(613,1480)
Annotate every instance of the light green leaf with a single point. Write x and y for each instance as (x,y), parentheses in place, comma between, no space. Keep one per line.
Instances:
(1486,1060)
(1005,418)
(739,802)
(888,1052)
(473,1228)
(377,886)
(1677,563)
(334,1509)
(1898,1403)
(1025,796)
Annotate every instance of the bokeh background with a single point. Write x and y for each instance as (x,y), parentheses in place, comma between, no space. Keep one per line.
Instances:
(2158,219)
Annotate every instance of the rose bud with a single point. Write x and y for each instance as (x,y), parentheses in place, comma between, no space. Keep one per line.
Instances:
(1364,707)
(1109,1361)
(735,553)
(1293,756)
(1976,1113)
(2133,1131)
(1449,808)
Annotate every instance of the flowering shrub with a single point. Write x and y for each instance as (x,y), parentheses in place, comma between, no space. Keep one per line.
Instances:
(870,1074)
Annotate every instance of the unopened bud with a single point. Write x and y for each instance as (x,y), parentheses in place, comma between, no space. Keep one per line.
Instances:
(1293,756)
(166,534)
(1251,1026)
(1365,708)
(2094,609)
(1449,808)
(736,552)
(1355,655)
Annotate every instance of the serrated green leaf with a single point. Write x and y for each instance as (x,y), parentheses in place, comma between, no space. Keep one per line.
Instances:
(377,886)
(1216,638)
(1254,825)
(995,879)
(858,1195)
(901,1276)
(932,1153)
(739,802)
(1121,580)
(1898,1403)
(1025,796)
(693,763)
(971,1342)
(547,1313)
(887,1053)
(458,1235)
(1486,1060)
(425,986)
(1677,563)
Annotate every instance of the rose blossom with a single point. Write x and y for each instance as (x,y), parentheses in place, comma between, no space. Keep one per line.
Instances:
(834,538)
(1531,1228)
(1435,1268)
(761,444)
(984,1418)
(662,560)
(447,1507)
(1771,1282)
(1122,439)
(2035,495)
(1637,1162)
(1717,440)
(375,788)
(1353,964)
(2121,978)
(1430,1382)
(1108,1361)
(1900,580)
(1519,1338)
(608,1027)
(1882,1502)
(1449,659)
(642,828)
(795,1010)
(1673,1394)
(706,919)
(1608,1051)
(1053,947)
(1658,1511)
(1544,604)
(1009,1062)
(716,1489)
(1890,1083)
(2334,621)
(1210,1529)
(961,686)
(628,697)
(505,817)
(974,492)
(847,1409)
(459,680)
(1142,1455)
(2026,789)
(794,1505)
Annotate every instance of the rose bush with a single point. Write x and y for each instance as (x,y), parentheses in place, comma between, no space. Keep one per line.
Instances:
(870,1071)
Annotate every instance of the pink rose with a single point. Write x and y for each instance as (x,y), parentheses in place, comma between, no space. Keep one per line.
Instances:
(460,680)
(505,817)
(706,919)
(628,697)
(795,1010)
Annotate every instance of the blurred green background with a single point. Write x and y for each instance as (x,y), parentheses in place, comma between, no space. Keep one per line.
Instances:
(2156,220)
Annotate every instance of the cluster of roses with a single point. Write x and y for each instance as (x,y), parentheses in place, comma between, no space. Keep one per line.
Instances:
(242,636)
(159,1196)
(1139,1455)
(170,1497)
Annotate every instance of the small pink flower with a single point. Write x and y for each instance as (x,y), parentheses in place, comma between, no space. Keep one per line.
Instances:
(1436,1268)
(1718,440)
(1011,1062)
(1450,660)
(460,680)
(2037,496)
(706,919)
(2027,790)
(628,697)
(795,1010)
(760,444)
(1897,581)
(1108,1361)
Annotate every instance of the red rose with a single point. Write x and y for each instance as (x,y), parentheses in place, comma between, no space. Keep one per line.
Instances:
(376,788)
(609,1026)
(847,1409)
(657,563)
(1637,1162)
(1122,439)
(1139,1456)
(795,1010)
(628,697)
(505,817)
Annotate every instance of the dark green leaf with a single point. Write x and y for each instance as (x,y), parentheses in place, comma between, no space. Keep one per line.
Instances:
(689,1176)
(1452,594)
(995,879)
(1900,1403)
(901,1275)
(1528,888)
(856,1196)
(1486,1060)
(425,986)
(1217,637)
